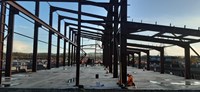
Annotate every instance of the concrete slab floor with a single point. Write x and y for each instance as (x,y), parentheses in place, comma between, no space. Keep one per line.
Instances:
(60,78)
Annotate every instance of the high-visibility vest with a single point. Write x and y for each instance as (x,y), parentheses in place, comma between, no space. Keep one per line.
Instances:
(130,80)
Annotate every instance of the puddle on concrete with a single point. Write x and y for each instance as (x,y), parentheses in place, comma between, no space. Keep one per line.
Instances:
(134,72)
(12,79)
(167,79)
(14,84)
(19,75)
(154,82)
(186,83)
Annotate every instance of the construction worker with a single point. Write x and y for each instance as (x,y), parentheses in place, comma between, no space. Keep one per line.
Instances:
(130,81)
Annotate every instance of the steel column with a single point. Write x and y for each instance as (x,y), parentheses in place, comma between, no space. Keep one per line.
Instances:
(187,62)
(110,51)
(128,59)
(2,28)
(95,51)
(69,48)
(148,61)
(162,61)
(78,45)
(115,44)
(9,48)
(133,59)
(64,47)
(139,60)
(72,54)
(74,57)
(58,44)
(123,42)
(106,50)
(35,42)
(50,40)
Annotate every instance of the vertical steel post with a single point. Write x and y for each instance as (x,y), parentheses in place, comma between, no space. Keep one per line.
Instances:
(35,41)
(78,45)
(110,50)
(50,39)
(106,58)
(107,51)
(75,48)
(104,51)
(133,59)
(139,60)
(58,44)
(9,48)
(187,62)
(148,61)
(115,45)
(123,42)
(2,28)
(95,51)
(64,47)
(162,61)
(128,59)
(69,48)
(72,54)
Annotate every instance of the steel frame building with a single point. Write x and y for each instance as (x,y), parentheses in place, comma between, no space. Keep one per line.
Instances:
(115,33)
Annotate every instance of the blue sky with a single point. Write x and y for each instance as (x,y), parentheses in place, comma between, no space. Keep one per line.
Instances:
(176,12)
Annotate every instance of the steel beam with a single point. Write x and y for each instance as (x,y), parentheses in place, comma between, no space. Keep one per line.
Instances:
(2,28)
(84,2)
(35,42)
(90,35)
(82,26)
(147,38)
(86,31)
(9,48)
(35,18)
(160,28)
(76,12)
(178,38)
(91,38)
(137,49)
(144,46)
(75,19)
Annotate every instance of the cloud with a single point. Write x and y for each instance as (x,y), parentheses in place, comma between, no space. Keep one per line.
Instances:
(19,46)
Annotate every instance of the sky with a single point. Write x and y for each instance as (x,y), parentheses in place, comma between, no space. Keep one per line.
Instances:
(164,12)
